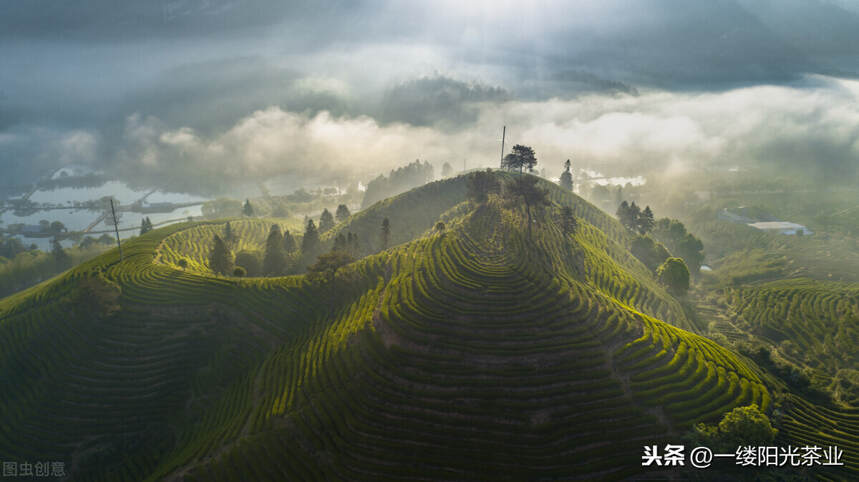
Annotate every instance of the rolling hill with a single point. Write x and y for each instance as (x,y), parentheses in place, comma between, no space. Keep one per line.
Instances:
(470,352)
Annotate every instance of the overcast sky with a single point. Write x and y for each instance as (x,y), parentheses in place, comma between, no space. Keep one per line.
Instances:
(201,90)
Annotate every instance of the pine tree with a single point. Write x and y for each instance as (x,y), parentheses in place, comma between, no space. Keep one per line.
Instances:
(342,213)
(310,241)
(521,158)
(623,214)
(646,222)
(326,221)
(289,244)
(143,227)
(634,216)
(386,233)
(567,177)
(228,233)
(220,257)
(247,209)
(274,259)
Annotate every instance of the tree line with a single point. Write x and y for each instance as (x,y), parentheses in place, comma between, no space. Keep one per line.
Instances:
(285,253)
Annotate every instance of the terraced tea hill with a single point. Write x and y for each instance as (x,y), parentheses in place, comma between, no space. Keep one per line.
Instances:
(815,323)
(475,359)
(194,243)
(474,352)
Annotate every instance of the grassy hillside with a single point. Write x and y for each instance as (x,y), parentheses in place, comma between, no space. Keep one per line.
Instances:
(469,352)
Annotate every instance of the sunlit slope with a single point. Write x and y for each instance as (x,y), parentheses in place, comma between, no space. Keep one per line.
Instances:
(111,393)
(193,243)
(468,352)
(605,262)
(478,356)
(805,423)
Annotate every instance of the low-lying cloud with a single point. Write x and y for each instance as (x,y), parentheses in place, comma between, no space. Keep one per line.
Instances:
(812,126)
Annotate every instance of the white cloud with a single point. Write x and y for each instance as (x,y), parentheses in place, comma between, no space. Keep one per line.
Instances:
(656,130)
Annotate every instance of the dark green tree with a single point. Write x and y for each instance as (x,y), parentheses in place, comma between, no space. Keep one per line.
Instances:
(645,221)
(183,263)
(247,209)
(680,242)
(446,170)
(289,244)
(342,213)
(674,274)
(249,260)
(326,266)
(521,158)
(326,221)
(481,184)
(61,257)
(569,224)
(220,257)
(310,242)
(57,227)
(624,215)
(439,226)
(228,233)
(567,177)
(649,252)
(274,259)
(145,226)
(525,189)
(386,233)
(742,426)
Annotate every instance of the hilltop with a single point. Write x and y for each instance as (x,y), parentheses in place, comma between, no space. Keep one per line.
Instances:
(470,351)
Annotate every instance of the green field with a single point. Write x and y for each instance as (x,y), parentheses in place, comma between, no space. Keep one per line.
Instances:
(472,352)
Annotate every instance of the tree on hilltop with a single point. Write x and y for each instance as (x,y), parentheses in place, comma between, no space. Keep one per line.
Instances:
(522,157)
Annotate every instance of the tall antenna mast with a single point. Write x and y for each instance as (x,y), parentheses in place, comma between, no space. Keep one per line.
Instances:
(503,135)
(116,228)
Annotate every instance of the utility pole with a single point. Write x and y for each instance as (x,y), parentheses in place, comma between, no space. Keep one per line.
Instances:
(116,228)
(503,135)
